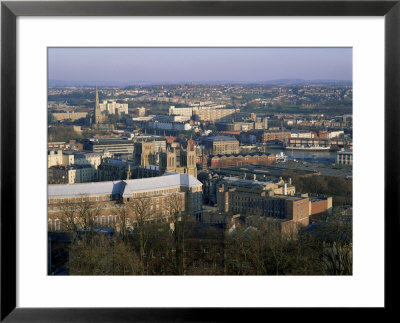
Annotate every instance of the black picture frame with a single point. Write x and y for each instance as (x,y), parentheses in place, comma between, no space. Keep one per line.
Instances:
(10,10)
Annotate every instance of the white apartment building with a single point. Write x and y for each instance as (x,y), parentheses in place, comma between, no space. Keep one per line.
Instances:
(57,158)
(112,107)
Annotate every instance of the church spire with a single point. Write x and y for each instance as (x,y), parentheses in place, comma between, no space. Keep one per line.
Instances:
(97,98)
(97,112)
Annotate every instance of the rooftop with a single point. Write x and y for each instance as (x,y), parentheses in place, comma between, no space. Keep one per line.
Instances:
(125,187)
(246,181)
(92,188)
(219,138)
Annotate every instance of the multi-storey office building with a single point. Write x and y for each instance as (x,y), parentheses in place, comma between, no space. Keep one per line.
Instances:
(113,146)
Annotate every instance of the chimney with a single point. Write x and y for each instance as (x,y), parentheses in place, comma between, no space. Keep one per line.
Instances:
(285,189)
(290,181)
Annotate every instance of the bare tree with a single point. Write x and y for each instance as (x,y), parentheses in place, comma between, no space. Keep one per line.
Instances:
(102,255)
(178,219)
(122,211)
(80,215)
(142,215)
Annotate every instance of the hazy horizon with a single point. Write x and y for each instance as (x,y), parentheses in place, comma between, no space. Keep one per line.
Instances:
(138,66)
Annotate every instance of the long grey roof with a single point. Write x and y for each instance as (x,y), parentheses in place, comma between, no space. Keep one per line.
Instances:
(167,180)
(91,188)
(125,187)
(246,181)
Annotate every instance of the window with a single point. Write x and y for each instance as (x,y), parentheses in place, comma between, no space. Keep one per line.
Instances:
(57,225)
(50,225)
(110,219)
(97,198)
(117,218)
(96,220)
(103,220)
(104,198)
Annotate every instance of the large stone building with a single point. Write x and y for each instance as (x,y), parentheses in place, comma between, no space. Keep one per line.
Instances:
(145,153)
(269,199)
(220,145)
(102,200)
(203,113)
(68,115)
(115,169)
(246,125)
(213,115)
(150,158)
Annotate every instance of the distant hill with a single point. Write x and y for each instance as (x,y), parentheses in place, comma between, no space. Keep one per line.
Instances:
(279,82)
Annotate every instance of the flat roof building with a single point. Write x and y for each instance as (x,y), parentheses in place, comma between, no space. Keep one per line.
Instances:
(220,145)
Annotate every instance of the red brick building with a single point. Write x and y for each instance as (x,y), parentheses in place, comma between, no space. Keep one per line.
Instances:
(272,136)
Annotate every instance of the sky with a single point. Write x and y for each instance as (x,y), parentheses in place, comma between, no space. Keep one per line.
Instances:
(177,65)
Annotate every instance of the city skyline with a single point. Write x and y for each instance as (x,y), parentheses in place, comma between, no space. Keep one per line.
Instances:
(124,66)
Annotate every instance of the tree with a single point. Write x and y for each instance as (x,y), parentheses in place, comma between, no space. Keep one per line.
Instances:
(122,212)
(141,213)
(177,218)
(102,255)
(80,215)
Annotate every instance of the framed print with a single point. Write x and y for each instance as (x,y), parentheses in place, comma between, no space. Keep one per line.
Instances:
(211,124)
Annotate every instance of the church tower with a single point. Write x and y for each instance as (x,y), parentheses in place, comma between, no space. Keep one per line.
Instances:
(168,161)
(188,160)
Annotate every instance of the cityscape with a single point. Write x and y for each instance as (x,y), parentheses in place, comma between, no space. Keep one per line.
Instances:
(200,161)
